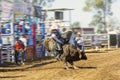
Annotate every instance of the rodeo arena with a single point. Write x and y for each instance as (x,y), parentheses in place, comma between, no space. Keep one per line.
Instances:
(36,43)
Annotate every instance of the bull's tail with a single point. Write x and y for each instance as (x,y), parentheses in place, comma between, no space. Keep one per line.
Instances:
(46,45)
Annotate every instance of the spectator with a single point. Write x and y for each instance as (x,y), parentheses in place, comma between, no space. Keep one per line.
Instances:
(1,42)
(18,48)
(27,27)
(8,31)
(22,21)
(16,29)
(2,28)
(21,25)
(7,27)
(24,40)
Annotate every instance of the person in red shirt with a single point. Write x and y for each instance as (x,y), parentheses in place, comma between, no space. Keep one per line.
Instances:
(19,48)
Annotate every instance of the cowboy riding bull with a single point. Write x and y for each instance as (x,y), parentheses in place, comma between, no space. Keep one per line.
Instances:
(69,52)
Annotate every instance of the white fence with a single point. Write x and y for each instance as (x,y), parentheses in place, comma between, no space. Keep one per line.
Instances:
(6,54)
(6,48)
(96,40)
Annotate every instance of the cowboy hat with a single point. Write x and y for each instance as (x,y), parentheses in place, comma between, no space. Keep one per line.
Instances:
(22,19)
(53,27)
(2,21)
(27,22)
(7,21)
(7,29)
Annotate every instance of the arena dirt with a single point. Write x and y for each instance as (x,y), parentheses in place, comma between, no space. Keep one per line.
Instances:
(99,66)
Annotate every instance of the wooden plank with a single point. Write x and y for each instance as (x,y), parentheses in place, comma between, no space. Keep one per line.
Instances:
(29,52)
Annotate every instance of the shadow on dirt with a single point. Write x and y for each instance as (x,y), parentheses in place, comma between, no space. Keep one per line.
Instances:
(87,67)
(26,68)
(96,52)
(83,68)
(12,76)
(8,70)
(42,64)
(8,64)
(69,67)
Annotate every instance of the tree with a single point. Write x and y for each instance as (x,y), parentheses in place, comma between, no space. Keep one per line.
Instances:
(76,25)
(43,3)
(101,9)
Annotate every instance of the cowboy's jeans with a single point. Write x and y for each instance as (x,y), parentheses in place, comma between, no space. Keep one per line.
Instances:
(18,56)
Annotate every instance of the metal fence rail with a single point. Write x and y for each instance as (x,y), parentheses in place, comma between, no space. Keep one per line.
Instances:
(96,40)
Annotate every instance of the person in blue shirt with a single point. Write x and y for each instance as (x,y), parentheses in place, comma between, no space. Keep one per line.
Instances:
(80,44)
(2,28)
(16,29)
(27,27)
(7,24)
(55,34)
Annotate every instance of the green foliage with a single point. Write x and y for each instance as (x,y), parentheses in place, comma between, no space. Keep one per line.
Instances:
(76,25)
(34,2)
(98,4)
(100,8)
(97,20)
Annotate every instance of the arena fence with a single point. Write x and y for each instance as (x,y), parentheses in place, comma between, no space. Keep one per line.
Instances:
(96,40)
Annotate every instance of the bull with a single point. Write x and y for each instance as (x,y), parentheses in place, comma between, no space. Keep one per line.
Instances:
(69,55)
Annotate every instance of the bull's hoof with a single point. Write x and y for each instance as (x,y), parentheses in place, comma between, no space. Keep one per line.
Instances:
(58,59)
(67,68)
(84,57)
(23,63)
(74,67)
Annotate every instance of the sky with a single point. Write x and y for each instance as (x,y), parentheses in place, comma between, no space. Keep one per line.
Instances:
(116,9)
(78,14)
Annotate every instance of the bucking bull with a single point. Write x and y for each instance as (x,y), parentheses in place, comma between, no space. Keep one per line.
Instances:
(69,55)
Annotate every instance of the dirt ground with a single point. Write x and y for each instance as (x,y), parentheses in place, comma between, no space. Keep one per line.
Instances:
(99,66)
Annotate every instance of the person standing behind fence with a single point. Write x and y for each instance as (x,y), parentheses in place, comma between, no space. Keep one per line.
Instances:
(1,42)
(80,44)
(7,27)
(18,48)
(27,27)
(2,28)
(21,25)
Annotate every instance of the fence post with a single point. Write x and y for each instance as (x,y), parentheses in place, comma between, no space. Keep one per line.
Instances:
(108,41)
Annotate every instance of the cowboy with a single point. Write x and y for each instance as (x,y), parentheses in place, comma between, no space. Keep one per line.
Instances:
(1,42)
(24,40)
(22,21)
(7,26)
(21,25)
(55,34)
(18,48)
(2,27)
(8,31)
(16,29)
(80,44)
